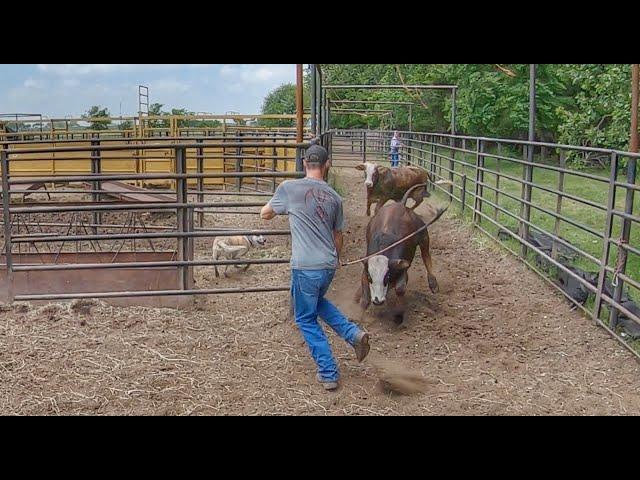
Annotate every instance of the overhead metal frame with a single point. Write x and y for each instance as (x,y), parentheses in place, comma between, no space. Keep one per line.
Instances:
(452,88)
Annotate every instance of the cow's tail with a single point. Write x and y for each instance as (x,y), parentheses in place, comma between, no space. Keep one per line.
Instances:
(410,191)
(441,212)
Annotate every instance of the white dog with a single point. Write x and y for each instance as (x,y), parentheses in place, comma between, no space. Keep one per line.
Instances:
(233,248)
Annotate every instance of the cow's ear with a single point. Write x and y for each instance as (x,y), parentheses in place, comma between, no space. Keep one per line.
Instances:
(361,167)
(399,264)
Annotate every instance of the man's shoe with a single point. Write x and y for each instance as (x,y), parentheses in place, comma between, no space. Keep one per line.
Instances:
(329,386)
(361,346)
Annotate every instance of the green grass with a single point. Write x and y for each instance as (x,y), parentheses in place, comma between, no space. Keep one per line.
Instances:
(586,215)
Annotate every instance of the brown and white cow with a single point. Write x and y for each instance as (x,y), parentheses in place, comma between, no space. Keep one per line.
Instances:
(389,270)
(384,184)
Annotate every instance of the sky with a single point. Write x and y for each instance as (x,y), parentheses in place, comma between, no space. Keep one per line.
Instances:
(69,90)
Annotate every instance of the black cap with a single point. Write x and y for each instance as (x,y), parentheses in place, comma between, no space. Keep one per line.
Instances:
(316,154)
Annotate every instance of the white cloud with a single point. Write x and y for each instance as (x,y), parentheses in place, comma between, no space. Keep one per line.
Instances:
(33,83)
(71,82)
(228,70)
(73,69)
(168,85)
(259,73)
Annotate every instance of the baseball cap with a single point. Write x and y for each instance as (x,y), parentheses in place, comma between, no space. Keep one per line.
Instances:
(316,154)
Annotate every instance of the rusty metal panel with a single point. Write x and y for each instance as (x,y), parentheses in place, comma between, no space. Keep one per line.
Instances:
(97,280)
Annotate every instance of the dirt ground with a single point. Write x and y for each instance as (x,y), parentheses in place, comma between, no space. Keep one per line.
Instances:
(495,341)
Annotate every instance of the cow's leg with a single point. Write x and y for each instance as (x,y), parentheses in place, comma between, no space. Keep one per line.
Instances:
(400,310)
(426,259)
(365,295)
(358,296)
(369,203)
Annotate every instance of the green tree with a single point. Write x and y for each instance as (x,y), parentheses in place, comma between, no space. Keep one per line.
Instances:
(282,101)
(601,113)
(126,125)
(97,112)
(155,110)
(586,104)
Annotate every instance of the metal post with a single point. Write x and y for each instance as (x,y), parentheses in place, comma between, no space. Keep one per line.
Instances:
(182,216)
(200,170)
(411,118)
(299,103)
(496,211)
(479,192)
(432,161)
(635,89)
(452,164)
(239,163)
(319,101)
(96,169)
(621,265)
(323,124)
(454,102)
(6,201)
(364,145)
(532,102)
(299,160)
(528,169)
(558,222)
(274,167)
(611,205)
(623,254)
(463,195)
(312,70)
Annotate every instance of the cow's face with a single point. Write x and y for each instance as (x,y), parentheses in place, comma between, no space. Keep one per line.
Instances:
(370,173)
(380,270)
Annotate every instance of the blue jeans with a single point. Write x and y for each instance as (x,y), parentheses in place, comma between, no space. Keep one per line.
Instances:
(395,160)
(308,288)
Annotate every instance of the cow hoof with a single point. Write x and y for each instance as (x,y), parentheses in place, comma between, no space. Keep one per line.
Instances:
(433,285)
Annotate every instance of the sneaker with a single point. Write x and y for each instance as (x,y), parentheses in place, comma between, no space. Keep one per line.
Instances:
(362,346)
(328,386)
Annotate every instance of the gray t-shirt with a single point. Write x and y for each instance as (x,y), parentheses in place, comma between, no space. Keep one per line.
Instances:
(315,212)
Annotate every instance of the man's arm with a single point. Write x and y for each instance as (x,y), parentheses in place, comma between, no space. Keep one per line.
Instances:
(338,228)
(277,205)
(267,212)
(338,238)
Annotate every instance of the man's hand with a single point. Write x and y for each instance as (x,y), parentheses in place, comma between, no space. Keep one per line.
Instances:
(339,241)
(267,213)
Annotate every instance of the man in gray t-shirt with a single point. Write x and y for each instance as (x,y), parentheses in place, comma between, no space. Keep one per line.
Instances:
(316,220)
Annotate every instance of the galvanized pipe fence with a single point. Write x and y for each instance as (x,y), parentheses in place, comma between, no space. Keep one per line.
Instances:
(576,226)
(186,199)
